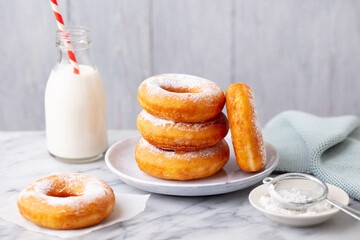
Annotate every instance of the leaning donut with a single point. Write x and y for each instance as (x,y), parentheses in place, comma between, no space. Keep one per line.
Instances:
(245,127)
(179,165)
(181,98)
(66,201)
(171,135)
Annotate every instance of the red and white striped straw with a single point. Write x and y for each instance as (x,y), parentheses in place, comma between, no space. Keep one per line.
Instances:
(61,27)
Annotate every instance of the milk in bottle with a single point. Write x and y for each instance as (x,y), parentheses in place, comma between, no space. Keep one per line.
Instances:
(75,104)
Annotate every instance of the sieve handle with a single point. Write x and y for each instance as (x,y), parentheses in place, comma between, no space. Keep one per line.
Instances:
(267,180)
(348,210)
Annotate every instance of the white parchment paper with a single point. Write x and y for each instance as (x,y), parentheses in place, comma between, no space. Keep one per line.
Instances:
(127,206)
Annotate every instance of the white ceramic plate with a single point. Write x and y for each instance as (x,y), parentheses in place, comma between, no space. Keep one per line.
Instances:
(120,159)
(335,193)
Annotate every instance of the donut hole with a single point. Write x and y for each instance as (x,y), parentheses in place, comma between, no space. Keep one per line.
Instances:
(181,89)
(169,150)
(63,187)
(62,193)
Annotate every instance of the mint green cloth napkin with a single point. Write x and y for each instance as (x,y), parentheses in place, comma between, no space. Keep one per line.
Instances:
(328,148)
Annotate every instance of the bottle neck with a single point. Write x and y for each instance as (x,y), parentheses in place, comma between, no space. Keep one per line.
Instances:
(77,40)
(83,57)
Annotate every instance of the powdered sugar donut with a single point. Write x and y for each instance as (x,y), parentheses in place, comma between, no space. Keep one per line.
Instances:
(181,98)
(245,127)
(66,201)
(171,135)
(180,165)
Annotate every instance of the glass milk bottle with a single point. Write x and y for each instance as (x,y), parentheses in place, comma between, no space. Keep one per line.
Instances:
(75,104)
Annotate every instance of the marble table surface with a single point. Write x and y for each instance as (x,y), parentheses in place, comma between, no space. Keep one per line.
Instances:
(24,159)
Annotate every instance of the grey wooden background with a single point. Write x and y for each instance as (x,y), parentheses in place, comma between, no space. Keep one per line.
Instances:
(295,54)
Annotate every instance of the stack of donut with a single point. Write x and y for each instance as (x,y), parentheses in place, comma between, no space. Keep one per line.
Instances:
(182,127)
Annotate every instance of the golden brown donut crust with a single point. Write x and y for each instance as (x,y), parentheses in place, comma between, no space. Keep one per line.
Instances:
(180,165)
(181,98)
(64,201)
(245,127)
(170,135)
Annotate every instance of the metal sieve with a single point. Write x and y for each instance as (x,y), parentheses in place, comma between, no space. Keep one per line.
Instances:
(310,189)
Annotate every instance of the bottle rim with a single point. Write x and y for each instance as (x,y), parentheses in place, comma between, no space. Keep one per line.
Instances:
(76,34)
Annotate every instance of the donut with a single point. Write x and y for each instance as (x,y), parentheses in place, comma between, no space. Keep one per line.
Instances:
(180,165)
(181,98)
(171,135)
(66,201)
(245,127)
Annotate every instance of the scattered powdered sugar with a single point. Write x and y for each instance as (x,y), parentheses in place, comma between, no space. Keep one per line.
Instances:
(42,186)
(293,195)
(155,120)
(205,89)
(202,153)
(181,81)
(192,127)
(93,188)
(257,125)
